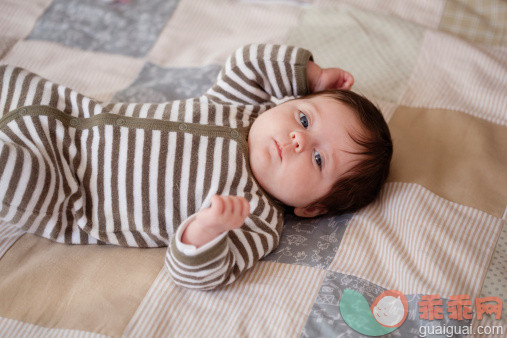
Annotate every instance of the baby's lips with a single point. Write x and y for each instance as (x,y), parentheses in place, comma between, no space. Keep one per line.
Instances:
(278,149)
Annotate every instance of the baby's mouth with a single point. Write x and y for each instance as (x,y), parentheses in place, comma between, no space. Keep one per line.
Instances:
(279,150)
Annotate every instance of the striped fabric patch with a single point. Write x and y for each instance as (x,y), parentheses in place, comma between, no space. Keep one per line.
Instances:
(96,75)
(270,300)
(379,76)
(8,236)
(463,78)
(14,328)
(18,20)
(414,241)
(210,39)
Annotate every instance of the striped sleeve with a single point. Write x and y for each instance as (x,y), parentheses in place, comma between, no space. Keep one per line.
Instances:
(255,73)
(210,267)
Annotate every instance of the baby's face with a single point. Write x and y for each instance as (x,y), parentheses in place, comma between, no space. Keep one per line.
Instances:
(300,148)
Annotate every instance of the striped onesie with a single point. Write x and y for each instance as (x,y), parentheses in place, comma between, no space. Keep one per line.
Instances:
(81,172)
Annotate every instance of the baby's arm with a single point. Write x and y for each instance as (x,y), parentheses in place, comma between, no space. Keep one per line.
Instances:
(230,240)
(256,73)
(225,213)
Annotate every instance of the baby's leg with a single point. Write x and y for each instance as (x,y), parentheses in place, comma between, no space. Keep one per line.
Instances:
(39,187)
(41,161)
(23,181)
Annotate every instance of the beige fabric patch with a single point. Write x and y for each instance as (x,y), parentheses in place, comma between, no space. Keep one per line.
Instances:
(91,288)
(479,21)
(389,47)
(424,12)
(463,77)
(455,155)
(195,23)
(416,242)
(96,75)
(18,19)
(269,300)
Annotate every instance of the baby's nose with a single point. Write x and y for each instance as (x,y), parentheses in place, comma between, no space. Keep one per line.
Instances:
(298,141)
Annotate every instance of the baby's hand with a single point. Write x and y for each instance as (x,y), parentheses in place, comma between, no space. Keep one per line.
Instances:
(328,78)
(225,213)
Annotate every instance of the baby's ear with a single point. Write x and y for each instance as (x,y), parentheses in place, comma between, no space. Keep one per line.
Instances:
(310,211)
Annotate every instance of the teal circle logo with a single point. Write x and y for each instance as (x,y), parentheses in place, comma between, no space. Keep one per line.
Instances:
(386,313)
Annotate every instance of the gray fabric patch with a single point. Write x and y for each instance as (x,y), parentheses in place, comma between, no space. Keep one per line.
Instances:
(310,242)
(325,319)
(97,25)
(155,84)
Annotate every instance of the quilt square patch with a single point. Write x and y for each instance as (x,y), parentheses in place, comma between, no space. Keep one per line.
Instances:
(310,242)
(329,312)
(389,47)
(157,84)
(415,241)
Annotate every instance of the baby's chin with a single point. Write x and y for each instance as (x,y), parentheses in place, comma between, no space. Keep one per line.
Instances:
(272,191)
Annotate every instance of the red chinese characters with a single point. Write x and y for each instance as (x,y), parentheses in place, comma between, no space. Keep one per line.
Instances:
(484,305)
(459,307)
(430,307)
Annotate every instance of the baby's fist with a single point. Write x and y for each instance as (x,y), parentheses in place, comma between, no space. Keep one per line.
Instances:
(225,213)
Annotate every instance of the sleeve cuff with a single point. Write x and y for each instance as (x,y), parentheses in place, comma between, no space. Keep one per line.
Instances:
(192,250)
(302,58)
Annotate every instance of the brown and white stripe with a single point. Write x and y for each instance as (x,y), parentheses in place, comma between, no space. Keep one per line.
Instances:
(417,242)
(130,174)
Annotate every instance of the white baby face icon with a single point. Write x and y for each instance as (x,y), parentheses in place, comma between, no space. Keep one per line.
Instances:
(389,311)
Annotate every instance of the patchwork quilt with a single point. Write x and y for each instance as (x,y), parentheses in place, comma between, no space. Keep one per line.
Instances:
(437,234)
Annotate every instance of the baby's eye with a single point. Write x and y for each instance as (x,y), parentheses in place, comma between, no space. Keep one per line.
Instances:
(303,119)
(317,157)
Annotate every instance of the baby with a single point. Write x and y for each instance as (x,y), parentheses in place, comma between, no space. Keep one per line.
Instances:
(209,177)
(328,151)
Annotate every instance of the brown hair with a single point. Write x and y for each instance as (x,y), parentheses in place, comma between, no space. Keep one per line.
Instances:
(362,184)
